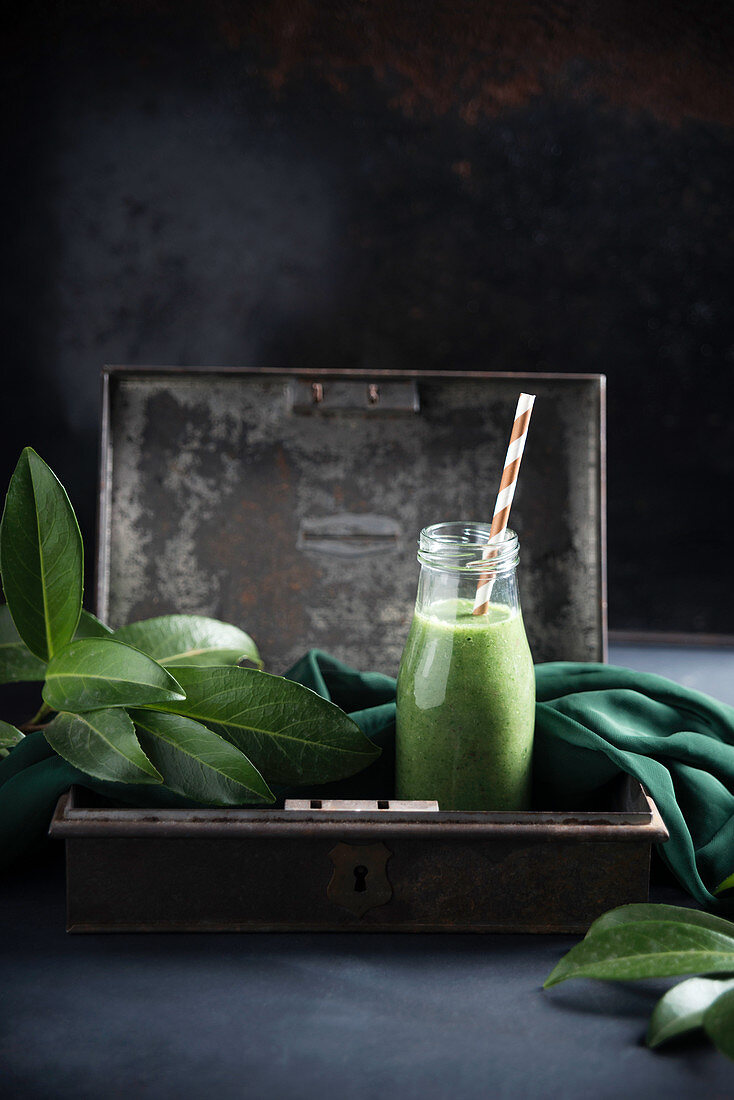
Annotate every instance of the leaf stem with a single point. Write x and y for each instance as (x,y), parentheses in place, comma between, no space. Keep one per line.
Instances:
(33,723)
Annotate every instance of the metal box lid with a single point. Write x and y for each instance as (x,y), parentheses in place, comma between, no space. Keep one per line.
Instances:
(290,503)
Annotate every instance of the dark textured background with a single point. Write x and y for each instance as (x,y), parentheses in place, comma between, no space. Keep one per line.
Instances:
(527,186)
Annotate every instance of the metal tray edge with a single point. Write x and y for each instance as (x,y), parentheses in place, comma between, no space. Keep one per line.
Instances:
(69,821)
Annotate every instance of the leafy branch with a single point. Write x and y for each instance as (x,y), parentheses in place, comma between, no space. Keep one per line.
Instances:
(164,702)
(661,941)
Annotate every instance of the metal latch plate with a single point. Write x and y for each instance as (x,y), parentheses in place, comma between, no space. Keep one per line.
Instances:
(356,806)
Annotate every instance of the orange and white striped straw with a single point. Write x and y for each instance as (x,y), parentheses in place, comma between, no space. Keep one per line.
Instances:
(504,496)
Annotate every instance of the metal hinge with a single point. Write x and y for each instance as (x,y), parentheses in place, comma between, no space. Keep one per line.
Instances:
(329,397)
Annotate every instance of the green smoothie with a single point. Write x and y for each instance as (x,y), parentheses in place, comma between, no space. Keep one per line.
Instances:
(466,709)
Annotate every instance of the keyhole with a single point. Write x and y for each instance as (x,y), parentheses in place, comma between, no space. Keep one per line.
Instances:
(360,874)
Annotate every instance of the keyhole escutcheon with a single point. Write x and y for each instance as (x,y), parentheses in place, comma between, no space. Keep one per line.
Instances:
(349,886)
(360,874)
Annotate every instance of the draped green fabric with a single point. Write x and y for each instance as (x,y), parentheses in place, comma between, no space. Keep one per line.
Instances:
(593,722)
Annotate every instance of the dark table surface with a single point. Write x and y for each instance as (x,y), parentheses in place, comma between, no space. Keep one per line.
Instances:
(220,1016)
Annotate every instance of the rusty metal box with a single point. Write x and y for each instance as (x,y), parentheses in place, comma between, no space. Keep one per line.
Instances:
(366,871)
(290,503)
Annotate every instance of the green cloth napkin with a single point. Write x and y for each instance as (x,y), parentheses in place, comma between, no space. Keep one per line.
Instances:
(593,722)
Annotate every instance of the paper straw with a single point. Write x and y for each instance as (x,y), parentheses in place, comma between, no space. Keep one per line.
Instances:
(504,496)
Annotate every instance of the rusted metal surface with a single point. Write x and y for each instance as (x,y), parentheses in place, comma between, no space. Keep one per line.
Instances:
(480,60)
(483,60)
(219,497)
(275,870)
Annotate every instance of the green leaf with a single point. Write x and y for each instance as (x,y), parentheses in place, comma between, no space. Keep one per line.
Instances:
(16,660)
(102,744)
(90,627)
(197,763)
(727,884)
(102,672)
(9,735)
(647,949)
(17,663)
(718,1023)
(627,914)
(682,1008)
(289,732)
(41,557)
(190,640)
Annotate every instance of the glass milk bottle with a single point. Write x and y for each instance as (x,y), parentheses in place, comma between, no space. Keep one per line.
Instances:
(466,686)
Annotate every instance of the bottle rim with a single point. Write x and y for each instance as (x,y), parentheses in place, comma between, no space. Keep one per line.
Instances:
(459,545)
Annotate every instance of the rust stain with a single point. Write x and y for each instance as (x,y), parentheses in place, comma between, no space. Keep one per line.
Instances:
(462,168)
(475,58)
(480,59)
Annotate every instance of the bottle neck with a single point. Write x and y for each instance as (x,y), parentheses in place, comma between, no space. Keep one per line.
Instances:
(437,586)
(455,557)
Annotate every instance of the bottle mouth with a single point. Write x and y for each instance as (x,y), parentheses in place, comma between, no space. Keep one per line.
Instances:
(462,546)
